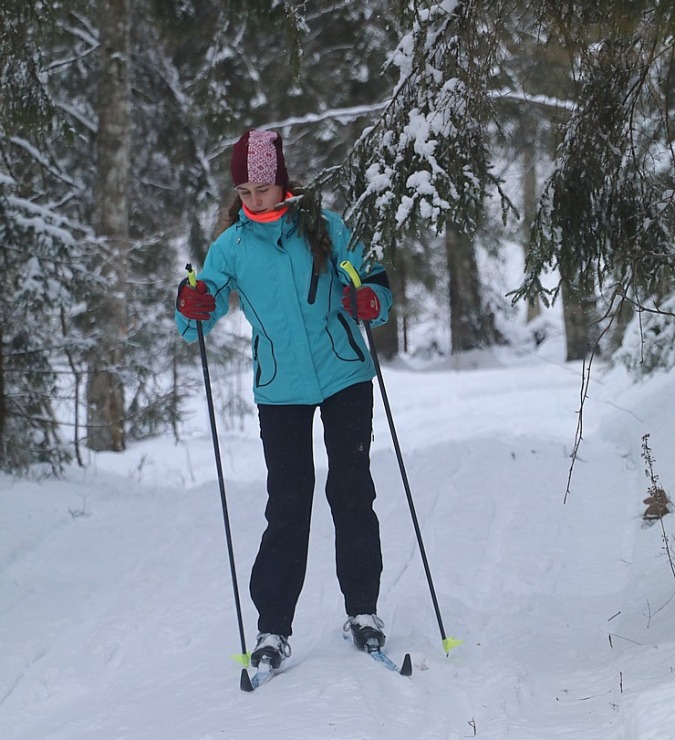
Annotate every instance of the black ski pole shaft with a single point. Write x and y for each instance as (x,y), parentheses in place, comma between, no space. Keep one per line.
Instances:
(448,642)
(404,478)
(245,680)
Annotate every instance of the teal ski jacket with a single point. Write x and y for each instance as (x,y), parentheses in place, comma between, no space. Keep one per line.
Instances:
(305,346)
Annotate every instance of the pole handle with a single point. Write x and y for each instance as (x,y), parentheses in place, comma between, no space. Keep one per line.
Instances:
(352,274)
(355,283)
(192,275)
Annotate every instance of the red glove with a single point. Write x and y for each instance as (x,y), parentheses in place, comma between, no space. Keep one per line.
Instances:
(367,302)
(195,303)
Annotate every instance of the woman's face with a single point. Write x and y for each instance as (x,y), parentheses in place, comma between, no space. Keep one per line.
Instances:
(260,198)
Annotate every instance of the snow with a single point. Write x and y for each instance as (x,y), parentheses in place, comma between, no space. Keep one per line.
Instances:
(116,610)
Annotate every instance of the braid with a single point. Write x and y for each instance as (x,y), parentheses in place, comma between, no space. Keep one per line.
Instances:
(311,223)
(312,226)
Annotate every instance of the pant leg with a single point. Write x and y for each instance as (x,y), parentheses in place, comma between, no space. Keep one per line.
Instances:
(279,570)
(347,420)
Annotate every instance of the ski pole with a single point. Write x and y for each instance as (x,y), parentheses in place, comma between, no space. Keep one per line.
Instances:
(245,681)
(355,283)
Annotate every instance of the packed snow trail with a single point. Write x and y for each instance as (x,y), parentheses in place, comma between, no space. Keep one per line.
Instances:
(116,610)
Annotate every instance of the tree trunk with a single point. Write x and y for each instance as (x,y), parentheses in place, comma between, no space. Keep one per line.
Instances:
(470,326)
(386,336)
(579,304)
(3,402)
(528,128)
(108,321)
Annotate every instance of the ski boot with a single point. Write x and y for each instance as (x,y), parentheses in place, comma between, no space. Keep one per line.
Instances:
(272,649)
(366,632)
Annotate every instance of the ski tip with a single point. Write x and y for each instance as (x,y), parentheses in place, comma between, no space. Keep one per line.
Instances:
(406,668)
(449,643)
(245,681)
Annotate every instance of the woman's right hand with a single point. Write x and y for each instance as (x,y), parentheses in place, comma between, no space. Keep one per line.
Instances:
(195,303)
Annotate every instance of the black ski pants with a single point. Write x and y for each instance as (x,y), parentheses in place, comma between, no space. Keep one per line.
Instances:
(279,569)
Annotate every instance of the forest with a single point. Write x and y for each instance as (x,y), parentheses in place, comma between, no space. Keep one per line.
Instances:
(447,133)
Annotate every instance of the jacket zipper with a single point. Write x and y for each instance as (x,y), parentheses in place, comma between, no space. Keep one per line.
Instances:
(313,287)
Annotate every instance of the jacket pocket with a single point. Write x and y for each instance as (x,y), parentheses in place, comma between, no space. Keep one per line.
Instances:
(345,344)
(264,361)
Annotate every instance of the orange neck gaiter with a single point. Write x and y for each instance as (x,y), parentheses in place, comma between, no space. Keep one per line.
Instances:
(270,216)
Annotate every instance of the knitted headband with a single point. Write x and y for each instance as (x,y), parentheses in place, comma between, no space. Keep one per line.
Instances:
(258,157)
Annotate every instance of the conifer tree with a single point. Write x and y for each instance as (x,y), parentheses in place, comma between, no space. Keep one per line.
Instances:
(425,164)
(42,247)
(606,219)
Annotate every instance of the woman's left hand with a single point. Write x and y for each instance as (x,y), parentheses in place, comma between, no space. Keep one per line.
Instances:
(367,302)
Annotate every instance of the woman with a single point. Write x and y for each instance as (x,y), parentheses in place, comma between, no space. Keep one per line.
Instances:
(282,254)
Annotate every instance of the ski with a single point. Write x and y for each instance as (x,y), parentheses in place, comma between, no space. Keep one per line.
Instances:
(262,676)
(383,659)
(263,673)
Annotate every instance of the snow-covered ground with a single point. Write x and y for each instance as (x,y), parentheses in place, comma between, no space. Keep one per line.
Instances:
(117,619)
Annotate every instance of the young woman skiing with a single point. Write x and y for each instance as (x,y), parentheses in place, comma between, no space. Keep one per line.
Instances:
(282,256)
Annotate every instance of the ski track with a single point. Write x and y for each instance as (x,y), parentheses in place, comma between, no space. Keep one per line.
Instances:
(113,647)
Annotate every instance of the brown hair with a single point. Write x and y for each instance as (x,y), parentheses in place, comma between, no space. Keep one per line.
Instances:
(311,223)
